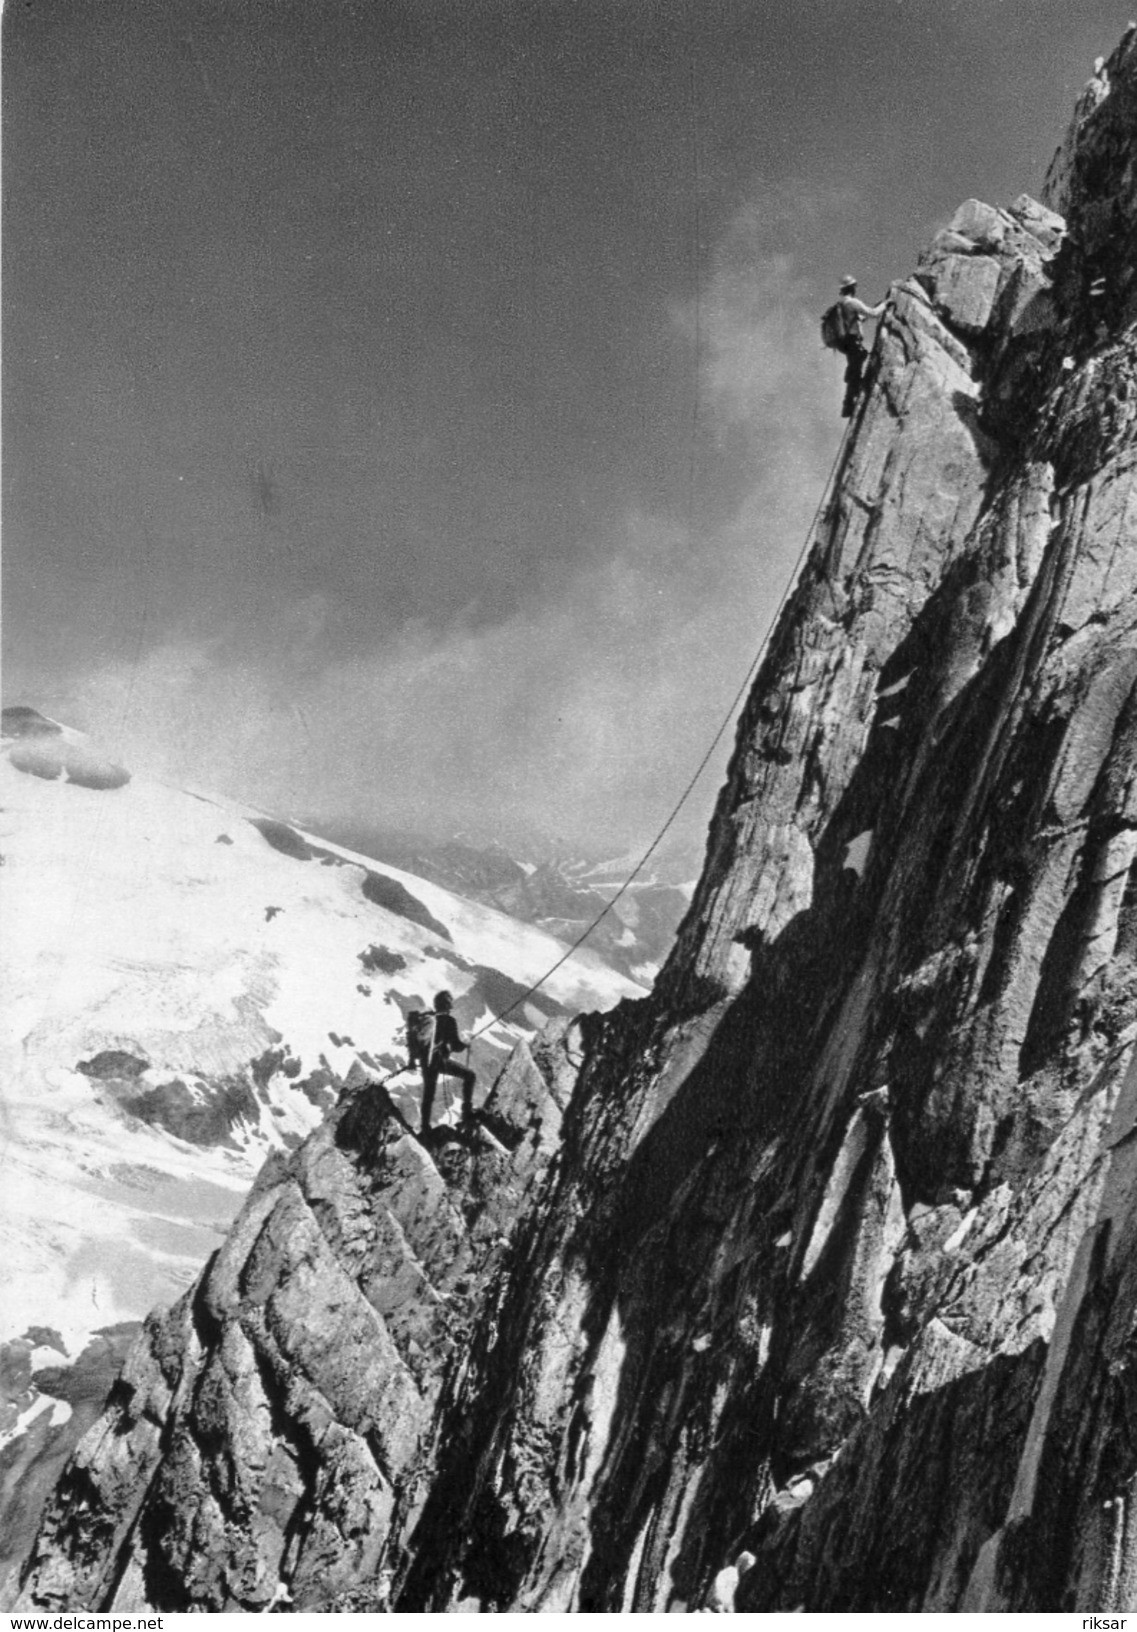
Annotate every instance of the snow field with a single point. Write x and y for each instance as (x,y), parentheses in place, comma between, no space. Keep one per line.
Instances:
(164,927)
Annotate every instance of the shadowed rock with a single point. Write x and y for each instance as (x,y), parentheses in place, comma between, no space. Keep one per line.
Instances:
(206,1116)
(282,837)
(21,721)
(32,1462)
(384,891)
(53,758)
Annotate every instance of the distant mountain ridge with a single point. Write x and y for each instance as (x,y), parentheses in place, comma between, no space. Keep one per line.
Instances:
(548,884)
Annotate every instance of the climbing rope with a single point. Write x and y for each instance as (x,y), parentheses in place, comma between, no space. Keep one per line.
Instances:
(703,763)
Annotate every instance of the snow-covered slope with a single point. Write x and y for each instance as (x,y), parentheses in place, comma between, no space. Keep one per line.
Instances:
(187,983)
(547,884)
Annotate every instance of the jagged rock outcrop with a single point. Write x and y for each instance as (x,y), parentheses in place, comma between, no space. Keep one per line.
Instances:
(824,1251)
(263,1433)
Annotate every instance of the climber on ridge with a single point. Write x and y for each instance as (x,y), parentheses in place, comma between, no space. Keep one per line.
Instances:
(841,329)
(432,1055)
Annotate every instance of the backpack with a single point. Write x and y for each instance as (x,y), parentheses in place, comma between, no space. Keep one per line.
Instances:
(421,1027)
(833,327)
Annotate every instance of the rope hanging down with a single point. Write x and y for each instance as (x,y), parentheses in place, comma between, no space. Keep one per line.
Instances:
(703,763)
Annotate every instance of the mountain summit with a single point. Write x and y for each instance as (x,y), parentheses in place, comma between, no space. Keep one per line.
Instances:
(807,1281)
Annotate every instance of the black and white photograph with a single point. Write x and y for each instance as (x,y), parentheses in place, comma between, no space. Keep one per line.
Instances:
(568,808)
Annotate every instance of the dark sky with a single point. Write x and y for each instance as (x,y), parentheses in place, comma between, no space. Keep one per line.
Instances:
(415,409)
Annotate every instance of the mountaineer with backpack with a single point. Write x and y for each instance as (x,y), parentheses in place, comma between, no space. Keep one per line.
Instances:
(432,1036)
(841,331)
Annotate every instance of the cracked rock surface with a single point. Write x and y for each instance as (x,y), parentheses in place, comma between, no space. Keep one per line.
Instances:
(262,1434)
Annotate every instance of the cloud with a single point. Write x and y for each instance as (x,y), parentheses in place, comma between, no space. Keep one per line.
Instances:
(585,710)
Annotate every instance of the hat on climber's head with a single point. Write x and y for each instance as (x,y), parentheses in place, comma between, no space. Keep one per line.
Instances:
(848,283)
(444,1001)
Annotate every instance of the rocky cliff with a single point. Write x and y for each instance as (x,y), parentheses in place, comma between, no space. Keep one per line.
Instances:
(809,1281)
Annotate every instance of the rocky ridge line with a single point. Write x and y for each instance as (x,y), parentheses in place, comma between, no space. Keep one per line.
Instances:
(262,1434)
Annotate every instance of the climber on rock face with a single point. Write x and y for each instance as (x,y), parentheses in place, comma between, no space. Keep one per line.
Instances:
(447,1040)
(852,314)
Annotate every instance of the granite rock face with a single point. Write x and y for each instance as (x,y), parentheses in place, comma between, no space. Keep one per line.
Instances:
(809,1280)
